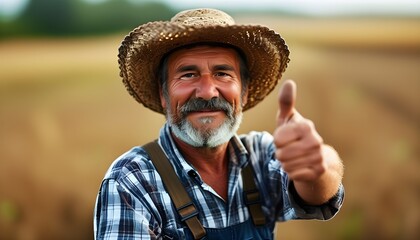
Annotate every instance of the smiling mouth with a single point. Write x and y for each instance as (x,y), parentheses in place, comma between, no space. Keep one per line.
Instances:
(206,111)
(209,110)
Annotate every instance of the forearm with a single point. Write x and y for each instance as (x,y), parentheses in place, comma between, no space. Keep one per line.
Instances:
(326,186)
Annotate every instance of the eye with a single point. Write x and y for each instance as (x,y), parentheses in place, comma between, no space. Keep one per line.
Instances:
(222,74)
(188,76)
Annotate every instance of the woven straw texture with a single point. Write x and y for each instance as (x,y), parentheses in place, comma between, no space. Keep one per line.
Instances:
(142,50)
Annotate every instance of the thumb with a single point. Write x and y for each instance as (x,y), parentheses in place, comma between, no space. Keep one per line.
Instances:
(287,99)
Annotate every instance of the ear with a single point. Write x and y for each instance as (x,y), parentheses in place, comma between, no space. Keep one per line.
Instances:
(245,98)
(162,99)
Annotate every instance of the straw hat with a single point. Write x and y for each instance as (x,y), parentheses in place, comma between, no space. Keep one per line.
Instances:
(141,51)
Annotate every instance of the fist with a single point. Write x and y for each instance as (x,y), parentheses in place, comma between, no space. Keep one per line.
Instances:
(298,144)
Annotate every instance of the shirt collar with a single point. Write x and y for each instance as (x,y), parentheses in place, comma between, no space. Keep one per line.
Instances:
(171,150)
(238,151)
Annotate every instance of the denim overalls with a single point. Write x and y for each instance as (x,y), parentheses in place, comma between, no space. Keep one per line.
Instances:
(242,231)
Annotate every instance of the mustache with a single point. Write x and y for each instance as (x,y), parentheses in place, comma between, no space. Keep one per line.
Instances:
(214,104)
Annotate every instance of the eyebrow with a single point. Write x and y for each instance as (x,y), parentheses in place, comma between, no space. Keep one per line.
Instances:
(187,68)
(224,67)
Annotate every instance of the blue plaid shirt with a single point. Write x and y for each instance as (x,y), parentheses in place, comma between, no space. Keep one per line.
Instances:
(133,204)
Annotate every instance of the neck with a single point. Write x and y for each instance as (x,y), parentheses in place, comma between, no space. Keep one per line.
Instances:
(211,163)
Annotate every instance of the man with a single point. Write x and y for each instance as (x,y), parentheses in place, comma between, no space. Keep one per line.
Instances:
(201,71)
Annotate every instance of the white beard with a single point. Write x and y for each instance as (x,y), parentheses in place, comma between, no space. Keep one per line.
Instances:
(213,138)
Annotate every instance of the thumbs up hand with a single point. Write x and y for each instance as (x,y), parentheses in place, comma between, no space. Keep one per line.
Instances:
(299,146)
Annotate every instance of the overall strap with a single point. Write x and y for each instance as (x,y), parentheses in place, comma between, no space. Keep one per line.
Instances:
(176,190)
(252,196)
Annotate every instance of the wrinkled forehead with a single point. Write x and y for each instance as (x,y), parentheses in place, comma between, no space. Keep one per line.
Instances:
(205,53)
(207,46)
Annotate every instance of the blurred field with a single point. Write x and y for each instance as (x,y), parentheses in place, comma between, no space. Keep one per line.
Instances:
(65,116)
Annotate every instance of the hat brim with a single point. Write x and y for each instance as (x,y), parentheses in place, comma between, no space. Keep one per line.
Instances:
(141,51)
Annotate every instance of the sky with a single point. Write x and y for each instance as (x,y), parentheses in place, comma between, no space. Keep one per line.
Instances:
(310,7)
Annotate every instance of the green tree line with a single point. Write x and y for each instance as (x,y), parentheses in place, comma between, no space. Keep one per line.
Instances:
(76,17)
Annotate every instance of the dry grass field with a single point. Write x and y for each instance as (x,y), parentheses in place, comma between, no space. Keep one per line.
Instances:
(65,116)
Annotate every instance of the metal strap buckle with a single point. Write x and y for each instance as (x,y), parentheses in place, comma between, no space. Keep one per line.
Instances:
(252,197)
(187,211)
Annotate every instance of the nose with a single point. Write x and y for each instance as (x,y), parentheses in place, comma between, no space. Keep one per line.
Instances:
(206,87)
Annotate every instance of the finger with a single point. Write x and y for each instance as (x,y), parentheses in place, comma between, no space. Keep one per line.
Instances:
(314,158)
(296,117)
(287,99)
(305,143)
(286,134)
(297,150)
(303,129)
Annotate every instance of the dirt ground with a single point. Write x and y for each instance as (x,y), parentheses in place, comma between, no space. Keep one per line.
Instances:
(65,116)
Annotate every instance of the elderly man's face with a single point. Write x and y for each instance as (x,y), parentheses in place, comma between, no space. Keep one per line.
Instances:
(204,100)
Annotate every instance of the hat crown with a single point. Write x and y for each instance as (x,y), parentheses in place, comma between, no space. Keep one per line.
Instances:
(203,17)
